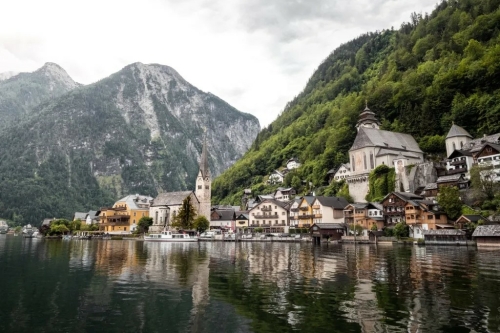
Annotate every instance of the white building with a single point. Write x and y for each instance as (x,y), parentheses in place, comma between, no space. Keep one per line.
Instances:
(293,163)
(270,215)
(328,209)
(166,206)
(275,178)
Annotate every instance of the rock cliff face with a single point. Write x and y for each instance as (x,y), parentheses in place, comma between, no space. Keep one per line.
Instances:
(138,131)
(20,93)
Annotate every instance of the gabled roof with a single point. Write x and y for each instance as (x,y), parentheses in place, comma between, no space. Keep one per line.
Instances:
(492,230)
(271,201)
(473,218)
(450,178)
(430,186)
(79,215)
(372,137)
(456,130)
(334,202)
(276,172)
(93,213)
(135,201)
(242,217)
(328,226)
(171,198)
(309,199)
(476,144)
(492,145)
(225,215)
(460,153)
(406,196)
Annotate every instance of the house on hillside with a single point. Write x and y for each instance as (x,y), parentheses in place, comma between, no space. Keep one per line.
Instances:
(293,163)
(457,180)
(430,191)
(464,220)
(276,177)
(374,147)
(284,194)
(341,173)
(165,208)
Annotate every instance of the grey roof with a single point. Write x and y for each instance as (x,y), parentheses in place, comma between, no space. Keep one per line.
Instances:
(242,216)
(334,202)
(489,144)
(272,201)
(377,205)
(171,198)
(136,200)
(225,215)
(474,218)
(431,186)
(372,137)
(93,213)
(456,130)
(47,221)
(477,144)
(204,168)
(442,232)
(329,226)
(80,215)
(487,231)
(449,178)
(458,153)
(407,196)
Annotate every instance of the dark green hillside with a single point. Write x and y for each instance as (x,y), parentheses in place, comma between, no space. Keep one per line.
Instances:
(436,69)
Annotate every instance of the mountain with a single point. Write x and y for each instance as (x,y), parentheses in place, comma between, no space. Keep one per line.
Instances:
(20,93)
(139,130)
(435,69)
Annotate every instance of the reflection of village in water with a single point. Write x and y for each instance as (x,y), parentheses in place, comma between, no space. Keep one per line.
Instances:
(260,286)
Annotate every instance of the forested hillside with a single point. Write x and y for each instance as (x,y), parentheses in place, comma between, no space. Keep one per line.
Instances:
(435,69)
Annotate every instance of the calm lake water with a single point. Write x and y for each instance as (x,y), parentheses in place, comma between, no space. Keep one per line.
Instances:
(129,286)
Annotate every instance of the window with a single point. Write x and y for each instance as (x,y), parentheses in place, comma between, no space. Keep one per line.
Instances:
(364,161)
(429,217)
(134,213)
(207,187)
(156,217)
(282,221)
(372,162)
(353,166)
(274,207)
(461,144)
(282,213)
(199,187)
(454,147)
(125,229)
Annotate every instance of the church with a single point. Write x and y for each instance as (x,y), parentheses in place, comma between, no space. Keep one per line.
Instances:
(373,147)
(166,205)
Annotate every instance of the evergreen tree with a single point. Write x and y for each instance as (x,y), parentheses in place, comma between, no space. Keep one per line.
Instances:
(185,216)
(201,224)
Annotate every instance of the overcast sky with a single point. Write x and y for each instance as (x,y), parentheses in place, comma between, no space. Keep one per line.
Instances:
(256,54)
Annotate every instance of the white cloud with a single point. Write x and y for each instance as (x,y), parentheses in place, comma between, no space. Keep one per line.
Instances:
(256,55)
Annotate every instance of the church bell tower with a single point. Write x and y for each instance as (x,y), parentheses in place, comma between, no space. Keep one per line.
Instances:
(204,184)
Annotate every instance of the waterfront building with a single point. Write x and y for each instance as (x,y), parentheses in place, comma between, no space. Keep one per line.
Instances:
(242,222)
(294,213)
(394,206)
(204,185)
(124,215)
(487,235)
(364,214)
(223,219)
(463,220)
(305,212)
(422,215)
(271,215)
(328,209)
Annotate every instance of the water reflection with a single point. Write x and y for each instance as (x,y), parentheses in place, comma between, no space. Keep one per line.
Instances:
(245,287)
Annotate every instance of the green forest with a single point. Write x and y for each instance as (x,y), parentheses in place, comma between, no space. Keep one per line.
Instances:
(438,68)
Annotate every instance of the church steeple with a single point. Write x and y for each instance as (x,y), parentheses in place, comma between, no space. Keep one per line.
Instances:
(367,118)
(204,168)
(204,183)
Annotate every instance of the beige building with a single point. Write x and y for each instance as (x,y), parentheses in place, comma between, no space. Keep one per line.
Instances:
(165,208)
(328,209)
(270,215)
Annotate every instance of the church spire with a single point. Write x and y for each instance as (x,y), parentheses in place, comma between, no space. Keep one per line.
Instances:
(204,168)
(367,118)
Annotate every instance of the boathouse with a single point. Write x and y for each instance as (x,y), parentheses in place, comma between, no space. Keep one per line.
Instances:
(327,231)
(445,237)
(487,235)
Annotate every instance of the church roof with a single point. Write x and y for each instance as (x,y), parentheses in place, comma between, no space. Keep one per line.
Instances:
(367,115)
(373,137)
(170,198)
(204,168)
(456,130)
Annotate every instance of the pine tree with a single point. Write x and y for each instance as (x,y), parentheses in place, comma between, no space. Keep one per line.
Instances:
(186,215)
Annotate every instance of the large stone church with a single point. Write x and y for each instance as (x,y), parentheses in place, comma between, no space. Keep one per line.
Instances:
(373,147)
(166,205)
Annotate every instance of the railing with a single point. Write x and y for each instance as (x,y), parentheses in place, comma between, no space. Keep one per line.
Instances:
(308,216)
(318,215)
(316,207)
(265,209)
(304,208)
(455,171)
(458,162)
(265,216)
(307,225)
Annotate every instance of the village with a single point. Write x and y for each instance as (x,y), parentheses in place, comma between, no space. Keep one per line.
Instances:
(411,211)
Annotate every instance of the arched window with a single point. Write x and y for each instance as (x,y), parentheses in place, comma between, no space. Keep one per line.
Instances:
(372,162)
(353,166)
(156,217)
(461,144)
(364,161)
(454,147)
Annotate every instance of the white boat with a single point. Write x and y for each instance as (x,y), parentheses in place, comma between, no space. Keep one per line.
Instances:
(4,227)
(28,231)
(169,236)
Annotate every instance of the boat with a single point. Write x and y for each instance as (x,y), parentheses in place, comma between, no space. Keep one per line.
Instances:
(29,231)
(4,227)
(169,236)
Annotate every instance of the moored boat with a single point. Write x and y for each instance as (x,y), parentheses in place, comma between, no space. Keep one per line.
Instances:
(4,227)
(169,236)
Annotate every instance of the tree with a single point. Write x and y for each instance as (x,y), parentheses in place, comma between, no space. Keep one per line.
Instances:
(449,201)
(58,229)
(75,225)
(356,229)
(186,215)
(401,230)
(201,224)
(144,223)
(483,185)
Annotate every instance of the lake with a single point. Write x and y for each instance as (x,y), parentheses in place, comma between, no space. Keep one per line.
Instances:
(133,286)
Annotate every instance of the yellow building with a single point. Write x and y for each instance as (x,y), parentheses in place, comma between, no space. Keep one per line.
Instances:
(306,215)
(123,217)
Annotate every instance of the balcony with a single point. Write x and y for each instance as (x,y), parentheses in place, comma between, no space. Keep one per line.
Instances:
(306,216)
(454,172)
(394,212)
(316,207)
(348,213)
(458,162)
(294,209)
(265,209)
(304,208)
(265,216)
(318,216)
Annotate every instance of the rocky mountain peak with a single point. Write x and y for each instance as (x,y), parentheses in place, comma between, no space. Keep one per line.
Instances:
(56,73)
